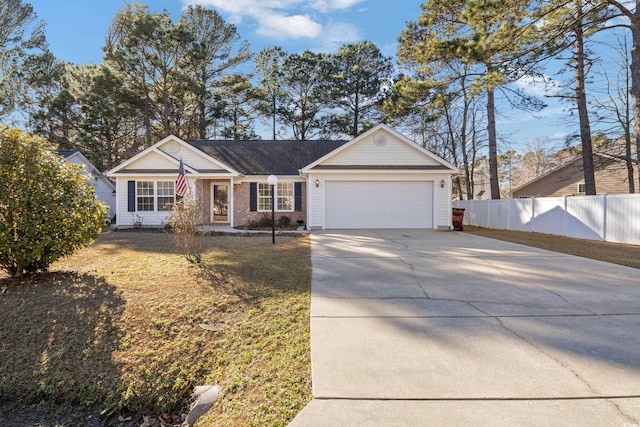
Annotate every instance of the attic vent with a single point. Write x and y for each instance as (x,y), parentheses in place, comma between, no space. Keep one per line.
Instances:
(173,147)
(380,140)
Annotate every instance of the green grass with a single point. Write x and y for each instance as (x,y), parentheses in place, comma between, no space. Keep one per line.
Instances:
(117,327)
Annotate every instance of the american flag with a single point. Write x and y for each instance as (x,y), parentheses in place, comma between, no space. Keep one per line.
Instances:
(181,183)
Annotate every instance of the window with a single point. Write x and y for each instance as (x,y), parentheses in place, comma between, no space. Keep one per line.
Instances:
(144,196)
(154,195)
(166,195)
(581,188)
(264,196)
(284,197)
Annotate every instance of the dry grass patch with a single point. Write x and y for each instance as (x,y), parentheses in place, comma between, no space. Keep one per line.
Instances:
(616,253)
(128,326)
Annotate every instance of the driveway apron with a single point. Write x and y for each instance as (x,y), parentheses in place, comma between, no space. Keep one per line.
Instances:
(420,328)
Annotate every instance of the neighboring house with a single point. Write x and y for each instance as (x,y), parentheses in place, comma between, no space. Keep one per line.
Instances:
(568,180)
(105,190)
(480,179)
(380,179)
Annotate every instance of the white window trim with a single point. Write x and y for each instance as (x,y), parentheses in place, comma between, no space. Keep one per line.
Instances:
(277,197)
(155,195)
(583,187)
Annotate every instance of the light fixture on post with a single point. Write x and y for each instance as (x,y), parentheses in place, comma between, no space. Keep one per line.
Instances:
(317,183)
(272,180)
(442,183)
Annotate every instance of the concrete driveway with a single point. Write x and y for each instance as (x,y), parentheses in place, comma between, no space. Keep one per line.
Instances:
(427,328)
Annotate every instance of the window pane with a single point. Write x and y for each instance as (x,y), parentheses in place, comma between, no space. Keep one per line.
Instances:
(285,196)
(285,203)
(165,203)
(264,196)
(285,189)
(144,193)
(165,188)
(264,190)
(144,188)
(145,203)
(264,204)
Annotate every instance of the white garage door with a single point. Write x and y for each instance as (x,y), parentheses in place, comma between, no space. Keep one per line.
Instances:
(378,204)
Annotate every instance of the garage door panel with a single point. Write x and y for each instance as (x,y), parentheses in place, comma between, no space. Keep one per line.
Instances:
(379,204)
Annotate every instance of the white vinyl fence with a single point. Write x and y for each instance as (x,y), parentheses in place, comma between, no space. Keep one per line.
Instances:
(613,218)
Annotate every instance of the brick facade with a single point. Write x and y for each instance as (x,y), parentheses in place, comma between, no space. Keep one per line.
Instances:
(242,214)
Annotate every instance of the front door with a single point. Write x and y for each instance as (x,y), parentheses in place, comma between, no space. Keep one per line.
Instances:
(220,203)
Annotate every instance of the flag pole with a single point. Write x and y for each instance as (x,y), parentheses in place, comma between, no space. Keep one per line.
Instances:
(181,182)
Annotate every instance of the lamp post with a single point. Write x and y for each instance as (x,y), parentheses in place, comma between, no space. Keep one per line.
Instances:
(272,180)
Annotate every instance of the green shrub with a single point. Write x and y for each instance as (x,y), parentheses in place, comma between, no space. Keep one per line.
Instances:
(47,208)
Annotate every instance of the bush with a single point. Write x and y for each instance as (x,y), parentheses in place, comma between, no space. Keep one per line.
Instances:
(283,222)
(185,219)
(263,221)
(47,208)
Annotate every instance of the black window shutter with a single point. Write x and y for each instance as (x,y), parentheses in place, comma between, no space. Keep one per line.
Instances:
(253,196)
(297,196)
(131,196)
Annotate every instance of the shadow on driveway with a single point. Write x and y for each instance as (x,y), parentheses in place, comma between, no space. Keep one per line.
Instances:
(426,316)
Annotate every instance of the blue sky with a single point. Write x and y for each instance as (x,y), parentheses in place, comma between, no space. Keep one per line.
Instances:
(76,30)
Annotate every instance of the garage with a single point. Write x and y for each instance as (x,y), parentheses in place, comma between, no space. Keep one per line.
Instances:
(378,204)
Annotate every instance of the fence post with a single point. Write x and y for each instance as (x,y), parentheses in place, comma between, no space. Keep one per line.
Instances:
(604,218)
(564,217)
(533,212)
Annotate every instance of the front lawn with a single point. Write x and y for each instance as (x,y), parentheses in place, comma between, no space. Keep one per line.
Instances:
(128,327)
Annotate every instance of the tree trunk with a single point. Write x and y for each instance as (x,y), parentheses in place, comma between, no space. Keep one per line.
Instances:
(626,119)
(629,160)
(635,80)
(273,115)
(356,116)
(463,142)
(583,113)
(493,143)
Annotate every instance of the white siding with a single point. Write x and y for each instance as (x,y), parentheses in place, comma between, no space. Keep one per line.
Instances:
(190,156)
(442,201)
(393,152)
(103,187)
(315,201)
(125,219)
(104,192)
(152,160)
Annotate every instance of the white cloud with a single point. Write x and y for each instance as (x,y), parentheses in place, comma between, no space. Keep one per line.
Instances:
(288,27)
(327,5)
(285,19)
(336,35)
(539,85)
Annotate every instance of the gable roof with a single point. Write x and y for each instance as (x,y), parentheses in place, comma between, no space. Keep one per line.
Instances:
(266,157)
(601,161)
(437,163)
(66,153)
(174,143)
